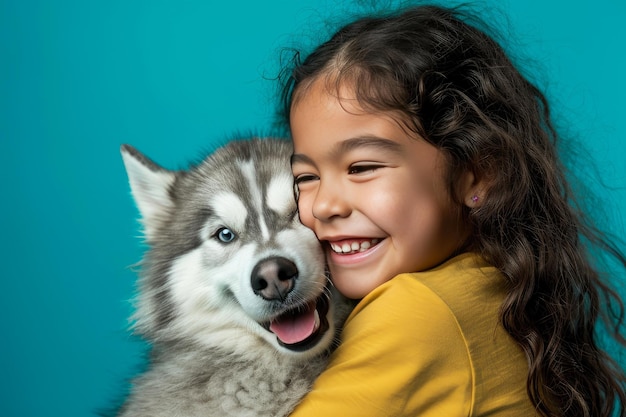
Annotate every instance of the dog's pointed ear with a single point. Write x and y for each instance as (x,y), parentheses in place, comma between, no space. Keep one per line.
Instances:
(150,186)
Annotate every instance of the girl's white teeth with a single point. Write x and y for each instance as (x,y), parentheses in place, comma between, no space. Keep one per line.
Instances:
(354,246)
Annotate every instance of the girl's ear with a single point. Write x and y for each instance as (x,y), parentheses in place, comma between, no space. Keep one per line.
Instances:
(472,190)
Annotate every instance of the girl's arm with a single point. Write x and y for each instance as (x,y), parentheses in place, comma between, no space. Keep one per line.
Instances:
(402,353)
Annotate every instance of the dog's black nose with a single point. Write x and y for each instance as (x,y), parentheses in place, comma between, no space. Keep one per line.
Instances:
(273,278)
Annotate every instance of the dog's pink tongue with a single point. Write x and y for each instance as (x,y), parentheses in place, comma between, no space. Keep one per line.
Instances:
(294,328)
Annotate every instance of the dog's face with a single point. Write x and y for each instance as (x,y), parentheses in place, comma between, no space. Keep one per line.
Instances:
(229,263)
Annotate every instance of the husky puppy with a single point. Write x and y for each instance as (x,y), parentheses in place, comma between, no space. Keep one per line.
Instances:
(233,295)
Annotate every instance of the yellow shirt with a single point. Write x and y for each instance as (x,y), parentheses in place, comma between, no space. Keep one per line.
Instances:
(426,344)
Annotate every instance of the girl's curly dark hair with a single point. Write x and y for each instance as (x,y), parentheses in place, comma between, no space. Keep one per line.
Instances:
(455,86)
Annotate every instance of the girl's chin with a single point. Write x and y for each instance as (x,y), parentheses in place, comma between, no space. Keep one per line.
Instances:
(356,283)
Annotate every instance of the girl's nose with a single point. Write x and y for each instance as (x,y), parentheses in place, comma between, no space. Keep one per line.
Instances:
(330,202)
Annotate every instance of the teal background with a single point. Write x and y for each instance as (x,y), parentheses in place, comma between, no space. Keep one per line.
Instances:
(78,78)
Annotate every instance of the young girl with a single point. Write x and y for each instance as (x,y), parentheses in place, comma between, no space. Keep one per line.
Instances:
(426,164)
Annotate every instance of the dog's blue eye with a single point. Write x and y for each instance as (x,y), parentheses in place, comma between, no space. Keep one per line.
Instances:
(225,235)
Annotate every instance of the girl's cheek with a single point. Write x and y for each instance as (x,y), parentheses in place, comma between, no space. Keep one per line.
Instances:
(305,211)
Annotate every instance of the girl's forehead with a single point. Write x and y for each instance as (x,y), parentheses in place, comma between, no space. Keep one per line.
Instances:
(324,96)
(322,85)
(342,88)
(321,98)
(321,116)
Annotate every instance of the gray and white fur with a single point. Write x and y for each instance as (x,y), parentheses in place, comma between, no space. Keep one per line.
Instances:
(233,296)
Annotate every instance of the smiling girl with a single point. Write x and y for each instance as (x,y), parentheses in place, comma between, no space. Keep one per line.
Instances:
(371,192)
(426,165)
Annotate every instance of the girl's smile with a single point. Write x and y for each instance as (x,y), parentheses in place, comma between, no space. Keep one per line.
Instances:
(353,251)
(372,191)
(352,246)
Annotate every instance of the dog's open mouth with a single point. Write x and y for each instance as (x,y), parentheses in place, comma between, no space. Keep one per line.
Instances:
(302,328)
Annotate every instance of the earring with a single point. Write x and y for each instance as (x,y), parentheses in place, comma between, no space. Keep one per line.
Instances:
(475,199)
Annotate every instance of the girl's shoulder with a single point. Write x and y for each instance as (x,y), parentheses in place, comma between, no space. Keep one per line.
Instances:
(465,293)
(471,289)
(451,313)
(458,280)
(440,289)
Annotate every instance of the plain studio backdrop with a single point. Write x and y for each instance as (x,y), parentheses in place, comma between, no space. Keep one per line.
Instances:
(176,78)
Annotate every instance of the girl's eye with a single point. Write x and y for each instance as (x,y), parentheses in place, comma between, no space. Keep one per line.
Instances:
(304,178)
(360,169)
(225,235)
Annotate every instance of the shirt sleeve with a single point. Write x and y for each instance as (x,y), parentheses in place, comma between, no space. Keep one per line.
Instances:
(402,354)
